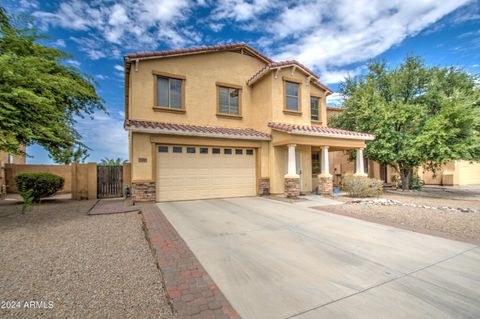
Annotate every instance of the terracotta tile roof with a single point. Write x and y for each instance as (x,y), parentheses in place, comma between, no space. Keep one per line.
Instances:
(274,65)
(195,130)
(223,47)
(319,131)
(335,108)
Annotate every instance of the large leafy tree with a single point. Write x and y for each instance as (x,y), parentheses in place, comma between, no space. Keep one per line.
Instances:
(420,115)
(39,97)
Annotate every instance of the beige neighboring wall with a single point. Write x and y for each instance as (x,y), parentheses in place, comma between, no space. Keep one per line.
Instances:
(64,171)
(468,173)
(452,174)
(17,159)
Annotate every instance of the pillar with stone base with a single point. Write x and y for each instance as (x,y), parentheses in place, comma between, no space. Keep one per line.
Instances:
(325,179)
(292,179)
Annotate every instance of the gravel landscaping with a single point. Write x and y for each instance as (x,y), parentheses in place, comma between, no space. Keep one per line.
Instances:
(451,218)
(86,266)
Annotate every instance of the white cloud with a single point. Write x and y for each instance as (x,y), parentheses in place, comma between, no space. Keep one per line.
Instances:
(335,99)
(118,67)
(59,43)
(72,62)
(330,34)
(123,24)
(216,27)
(337,76)
(241,10)
(101,76)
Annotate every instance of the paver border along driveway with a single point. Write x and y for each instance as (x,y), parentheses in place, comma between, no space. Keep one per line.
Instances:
(280,260)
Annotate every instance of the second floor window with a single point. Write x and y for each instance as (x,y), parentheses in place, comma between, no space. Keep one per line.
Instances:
(228,100)
(169,92)
(315,108)
(291,96)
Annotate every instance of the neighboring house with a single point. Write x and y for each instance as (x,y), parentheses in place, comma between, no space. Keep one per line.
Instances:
(226,121)
(6,158)
(452,174)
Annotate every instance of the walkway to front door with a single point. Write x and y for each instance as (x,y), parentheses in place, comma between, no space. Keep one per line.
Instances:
(279,260)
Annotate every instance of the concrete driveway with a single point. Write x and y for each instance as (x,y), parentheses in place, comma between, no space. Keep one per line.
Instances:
(279,260)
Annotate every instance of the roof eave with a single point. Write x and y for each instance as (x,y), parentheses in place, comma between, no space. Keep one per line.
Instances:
(196,134)
(332,135)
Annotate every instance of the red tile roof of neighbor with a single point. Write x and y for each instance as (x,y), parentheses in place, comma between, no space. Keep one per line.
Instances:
(195,130)
(319,131)
(212,48)
(335,108)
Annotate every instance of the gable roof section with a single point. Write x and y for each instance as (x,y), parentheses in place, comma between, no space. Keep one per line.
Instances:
(194,130)
(284,64)
(319,131)
(199,50)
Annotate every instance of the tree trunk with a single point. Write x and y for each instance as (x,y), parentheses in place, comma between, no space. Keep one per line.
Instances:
(405,177)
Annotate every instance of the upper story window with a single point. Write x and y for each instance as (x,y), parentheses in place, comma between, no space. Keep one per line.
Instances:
(229,100)
(169,91)
(292,95)
(315,108)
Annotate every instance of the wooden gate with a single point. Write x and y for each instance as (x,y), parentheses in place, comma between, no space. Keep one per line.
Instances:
(109,181)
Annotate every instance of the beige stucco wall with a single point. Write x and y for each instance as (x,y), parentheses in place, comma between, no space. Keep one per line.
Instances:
(261,103)
(84,181)
(201,72)
(64,171)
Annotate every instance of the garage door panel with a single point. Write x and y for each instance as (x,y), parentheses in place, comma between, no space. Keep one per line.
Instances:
(184,176)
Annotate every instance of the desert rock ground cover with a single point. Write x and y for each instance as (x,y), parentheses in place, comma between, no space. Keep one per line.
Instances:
(87,266)
(453,224)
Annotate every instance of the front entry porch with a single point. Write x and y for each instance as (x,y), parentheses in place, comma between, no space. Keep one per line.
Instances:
(313,145)
(319,173)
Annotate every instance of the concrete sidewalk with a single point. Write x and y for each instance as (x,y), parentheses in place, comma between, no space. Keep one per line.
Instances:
(280,260)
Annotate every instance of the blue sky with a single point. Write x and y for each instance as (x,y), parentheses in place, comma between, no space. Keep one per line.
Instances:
(335,38)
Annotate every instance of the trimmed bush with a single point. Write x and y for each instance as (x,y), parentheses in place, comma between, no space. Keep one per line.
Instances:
(360,186)
(35,186)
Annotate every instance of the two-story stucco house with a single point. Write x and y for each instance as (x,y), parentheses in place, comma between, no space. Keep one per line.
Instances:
(225,121)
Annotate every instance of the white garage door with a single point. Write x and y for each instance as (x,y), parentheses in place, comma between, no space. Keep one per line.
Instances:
(198,172)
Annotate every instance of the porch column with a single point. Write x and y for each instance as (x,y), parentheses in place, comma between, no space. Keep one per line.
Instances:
(292,161)
(325,180)
(360,168)
(292,180)
(325,169)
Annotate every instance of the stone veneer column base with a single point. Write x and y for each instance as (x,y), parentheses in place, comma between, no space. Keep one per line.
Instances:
(144,192)
(325,185)
(292,187)
(263,186)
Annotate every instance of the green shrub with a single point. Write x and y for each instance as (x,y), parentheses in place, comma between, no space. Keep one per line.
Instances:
(415,182)
(35,186)
(360,186)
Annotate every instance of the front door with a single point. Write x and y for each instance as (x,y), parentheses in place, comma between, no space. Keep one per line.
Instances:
(383,173)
